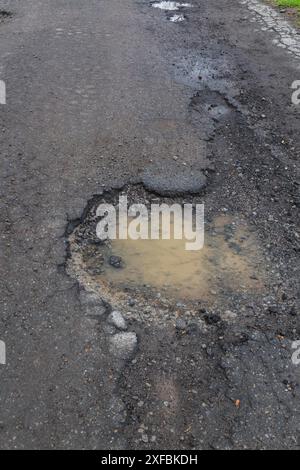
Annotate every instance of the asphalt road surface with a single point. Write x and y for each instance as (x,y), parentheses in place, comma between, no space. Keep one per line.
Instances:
(105,94)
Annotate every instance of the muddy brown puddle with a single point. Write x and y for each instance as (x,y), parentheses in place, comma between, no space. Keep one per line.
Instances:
(230,262)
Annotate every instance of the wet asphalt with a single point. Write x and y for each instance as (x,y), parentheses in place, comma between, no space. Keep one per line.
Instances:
(104,94)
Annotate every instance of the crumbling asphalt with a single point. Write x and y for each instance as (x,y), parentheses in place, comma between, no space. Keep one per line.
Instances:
(102,95)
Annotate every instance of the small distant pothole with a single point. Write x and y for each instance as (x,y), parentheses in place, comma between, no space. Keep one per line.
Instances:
(160,277)
(170,6)
(177,18)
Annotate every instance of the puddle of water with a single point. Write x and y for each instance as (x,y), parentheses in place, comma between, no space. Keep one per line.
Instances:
(177,18)
(170,6)
(228,262)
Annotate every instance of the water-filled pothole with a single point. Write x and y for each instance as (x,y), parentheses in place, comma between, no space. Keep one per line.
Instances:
(177,18)
(223,263)
(163,273)
(170,6)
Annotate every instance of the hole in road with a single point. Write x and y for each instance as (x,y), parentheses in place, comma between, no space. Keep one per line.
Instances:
(230,263)
(170,6)
(177,18)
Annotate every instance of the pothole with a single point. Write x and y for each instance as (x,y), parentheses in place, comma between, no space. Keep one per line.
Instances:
(170,6)
(161,277)
(177,18)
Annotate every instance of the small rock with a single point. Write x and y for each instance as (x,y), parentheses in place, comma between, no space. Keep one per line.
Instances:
(116,262)
(123,345)
(116,319)
(145,438)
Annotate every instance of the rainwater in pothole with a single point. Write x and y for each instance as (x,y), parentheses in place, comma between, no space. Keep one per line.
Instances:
(177,18)
(230,263)
(170,6)
(227,261)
